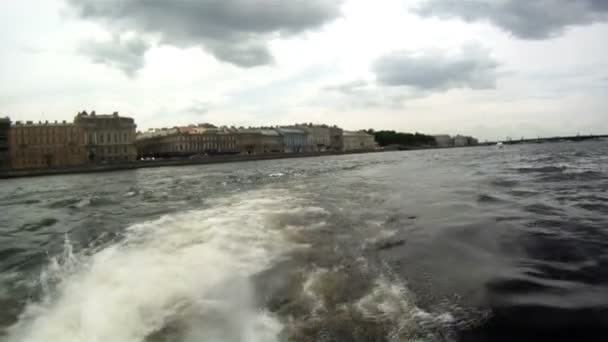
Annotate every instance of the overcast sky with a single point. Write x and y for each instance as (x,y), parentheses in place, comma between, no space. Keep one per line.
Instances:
(488,68)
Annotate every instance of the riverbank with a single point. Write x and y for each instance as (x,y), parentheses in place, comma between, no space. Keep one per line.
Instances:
(140,164)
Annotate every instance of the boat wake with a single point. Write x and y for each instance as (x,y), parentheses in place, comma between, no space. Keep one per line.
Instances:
(183,277)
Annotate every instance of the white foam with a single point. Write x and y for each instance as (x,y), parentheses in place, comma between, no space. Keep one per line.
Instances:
(83,203)
(309,289)
(189,270)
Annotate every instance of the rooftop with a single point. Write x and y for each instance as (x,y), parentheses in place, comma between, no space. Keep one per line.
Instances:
(46,123)
(355,133)
(94,115)
(290,130)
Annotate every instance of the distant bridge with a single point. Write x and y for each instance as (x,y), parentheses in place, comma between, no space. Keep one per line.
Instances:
(555,139)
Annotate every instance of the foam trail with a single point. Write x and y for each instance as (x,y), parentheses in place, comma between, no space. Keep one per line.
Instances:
(184,277)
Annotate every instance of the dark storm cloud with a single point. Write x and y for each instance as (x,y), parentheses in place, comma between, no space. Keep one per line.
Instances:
(234,31)
(472,68)
(527,19)
(126,54)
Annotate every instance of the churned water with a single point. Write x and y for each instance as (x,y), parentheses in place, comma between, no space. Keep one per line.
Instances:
(476,244)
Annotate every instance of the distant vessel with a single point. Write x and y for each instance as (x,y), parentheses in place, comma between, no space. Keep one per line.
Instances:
(500,144)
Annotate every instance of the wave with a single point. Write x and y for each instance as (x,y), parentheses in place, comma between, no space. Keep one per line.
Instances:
(348,303)
(183,277)
(541,169)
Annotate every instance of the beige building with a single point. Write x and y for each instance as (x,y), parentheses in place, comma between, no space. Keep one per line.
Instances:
(323,137)
(46,145)
(272,141)
(108,137)
(259,141)
(187,141)
(336,139)
(5,128)
(358,141)
(249,142)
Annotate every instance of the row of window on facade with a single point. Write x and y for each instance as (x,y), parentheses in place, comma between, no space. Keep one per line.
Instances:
(47,140)
(112,149)
(114,158)
(46,150)
(108,138)
(203,138)
(204,146)
(38,131)
(34,162)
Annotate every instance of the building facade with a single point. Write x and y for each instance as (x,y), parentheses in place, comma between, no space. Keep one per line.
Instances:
(108,137)
(320,136)
(5,128)
(444,140)
(186,141)
(336,139)
(358,141)
(46,145)
(272,141)
(249,142)
(460,141)
(295,140)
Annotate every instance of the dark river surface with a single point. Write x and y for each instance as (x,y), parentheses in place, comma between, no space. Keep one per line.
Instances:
(474,244)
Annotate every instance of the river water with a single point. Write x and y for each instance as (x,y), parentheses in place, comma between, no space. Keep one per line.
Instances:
(474,244)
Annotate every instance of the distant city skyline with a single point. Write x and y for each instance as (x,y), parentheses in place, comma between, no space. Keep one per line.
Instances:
(478,68)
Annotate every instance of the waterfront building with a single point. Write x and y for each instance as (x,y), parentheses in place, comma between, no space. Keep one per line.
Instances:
(249,141)
(272,141)
(253,141)
(336,139)
(295,140)
(108,137)
(154,142)
(320,136)
(187,141)
(5,127)
(461,141)
(46,145)
(358,141)
(444,140)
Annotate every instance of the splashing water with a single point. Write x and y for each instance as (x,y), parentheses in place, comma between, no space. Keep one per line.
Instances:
(183,277)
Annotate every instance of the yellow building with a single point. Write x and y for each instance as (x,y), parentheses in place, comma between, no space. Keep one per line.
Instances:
(46,145)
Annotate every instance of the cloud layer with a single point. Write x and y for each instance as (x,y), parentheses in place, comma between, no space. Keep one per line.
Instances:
(533,19)
(234,31)
(472,67)
(125,54)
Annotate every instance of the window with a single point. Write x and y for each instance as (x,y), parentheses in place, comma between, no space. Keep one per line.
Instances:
(124,138)
(101,138)
(115,137)
(125,149)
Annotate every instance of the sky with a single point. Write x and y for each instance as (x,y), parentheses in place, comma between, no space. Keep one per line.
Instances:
(488,68)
